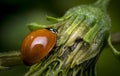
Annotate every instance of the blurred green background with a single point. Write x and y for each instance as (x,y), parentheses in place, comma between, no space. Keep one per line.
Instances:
(16,14)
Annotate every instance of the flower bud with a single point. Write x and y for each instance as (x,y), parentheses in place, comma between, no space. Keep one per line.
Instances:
(81,35)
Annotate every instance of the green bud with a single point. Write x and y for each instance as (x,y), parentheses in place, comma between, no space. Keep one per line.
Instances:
(81,35)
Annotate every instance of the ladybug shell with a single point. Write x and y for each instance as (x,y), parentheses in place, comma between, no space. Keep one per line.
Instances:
(37,45)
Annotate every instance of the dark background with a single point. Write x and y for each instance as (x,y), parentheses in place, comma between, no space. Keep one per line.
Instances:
(16,14)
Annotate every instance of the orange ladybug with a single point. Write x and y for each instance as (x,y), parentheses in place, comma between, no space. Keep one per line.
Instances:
(37,45)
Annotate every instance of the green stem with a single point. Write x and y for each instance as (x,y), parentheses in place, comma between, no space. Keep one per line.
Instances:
(8,59)
(102,4)
(115,51)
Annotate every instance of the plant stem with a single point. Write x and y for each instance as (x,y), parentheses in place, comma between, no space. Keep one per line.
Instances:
(12,58)
(8,59)
(115,51)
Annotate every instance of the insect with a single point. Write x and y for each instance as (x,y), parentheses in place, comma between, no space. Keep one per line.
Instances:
(37,45)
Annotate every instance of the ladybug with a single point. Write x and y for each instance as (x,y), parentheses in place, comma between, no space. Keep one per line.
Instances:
(36,45)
